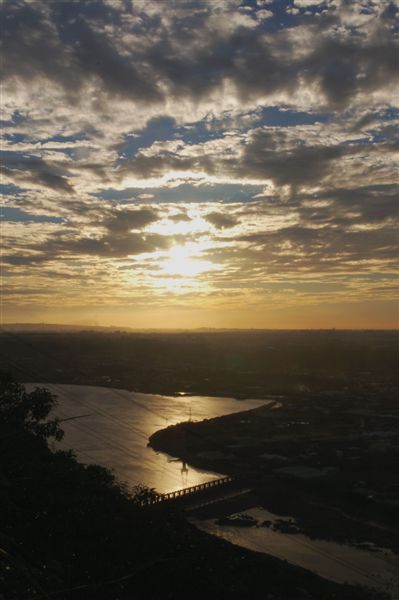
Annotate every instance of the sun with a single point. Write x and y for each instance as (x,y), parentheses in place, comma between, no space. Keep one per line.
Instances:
(182,262)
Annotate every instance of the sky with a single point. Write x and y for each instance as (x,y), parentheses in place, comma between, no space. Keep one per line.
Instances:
(213,163)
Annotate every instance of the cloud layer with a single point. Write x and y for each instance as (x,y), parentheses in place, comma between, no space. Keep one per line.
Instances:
(190,154)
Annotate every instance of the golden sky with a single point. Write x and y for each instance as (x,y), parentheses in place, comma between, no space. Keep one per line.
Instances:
(200,164)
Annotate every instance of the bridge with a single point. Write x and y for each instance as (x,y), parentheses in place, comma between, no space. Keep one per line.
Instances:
(196,491)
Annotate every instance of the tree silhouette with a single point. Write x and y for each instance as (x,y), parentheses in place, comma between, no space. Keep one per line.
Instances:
(27,411)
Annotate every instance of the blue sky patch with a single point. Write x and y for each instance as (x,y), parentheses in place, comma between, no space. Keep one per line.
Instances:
(9,189)
(162,129)
(9,213)
(186,193)
(278,117)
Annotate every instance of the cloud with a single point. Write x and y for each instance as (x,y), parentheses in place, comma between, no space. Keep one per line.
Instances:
(220,220)
(299,156)
(122,220)
(136,128)
(82,78)
(57,248)
(145,55)
(110,246)
(34,170)
(57,42)
(112,232)
(180,217)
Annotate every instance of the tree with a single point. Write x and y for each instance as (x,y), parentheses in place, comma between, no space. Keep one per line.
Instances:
(144,496)
(27,411)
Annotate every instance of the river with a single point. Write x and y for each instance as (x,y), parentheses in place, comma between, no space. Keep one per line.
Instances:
(116,425)
(371,567)
(113,431)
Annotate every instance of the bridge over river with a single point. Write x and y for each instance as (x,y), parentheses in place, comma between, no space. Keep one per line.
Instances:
(204,493)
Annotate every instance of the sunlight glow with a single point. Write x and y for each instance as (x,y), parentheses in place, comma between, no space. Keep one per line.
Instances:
(175,178)
(181,261)
(168,227)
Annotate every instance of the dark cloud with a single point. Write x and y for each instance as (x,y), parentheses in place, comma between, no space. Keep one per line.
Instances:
(20,168)
(302,161)
(58,247)
(67,51)
(265,154)
(145,166)
(20,260)
(190,56)
(322,249)
(111,246)
(121,221)
(220,220)
(346,68)
(371,204)
(365,121)
(264,158)
(120,239)
(31,47)
(95,55)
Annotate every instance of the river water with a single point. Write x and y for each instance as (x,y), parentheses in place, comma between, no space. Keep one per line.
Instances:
(378,568)
(116,425)
(113,431)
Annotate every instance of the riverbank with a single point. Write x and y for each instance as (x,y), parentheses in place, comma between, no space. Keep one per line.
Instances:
(337,460)
(262,531)
(311,461)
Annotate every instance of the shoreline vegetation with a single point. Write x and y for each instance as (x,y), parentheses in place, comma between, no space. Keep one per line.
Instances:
(72,531)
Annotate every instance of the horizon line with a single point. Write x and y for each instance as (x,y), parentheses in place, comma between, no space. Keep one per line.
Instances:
(116,328)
